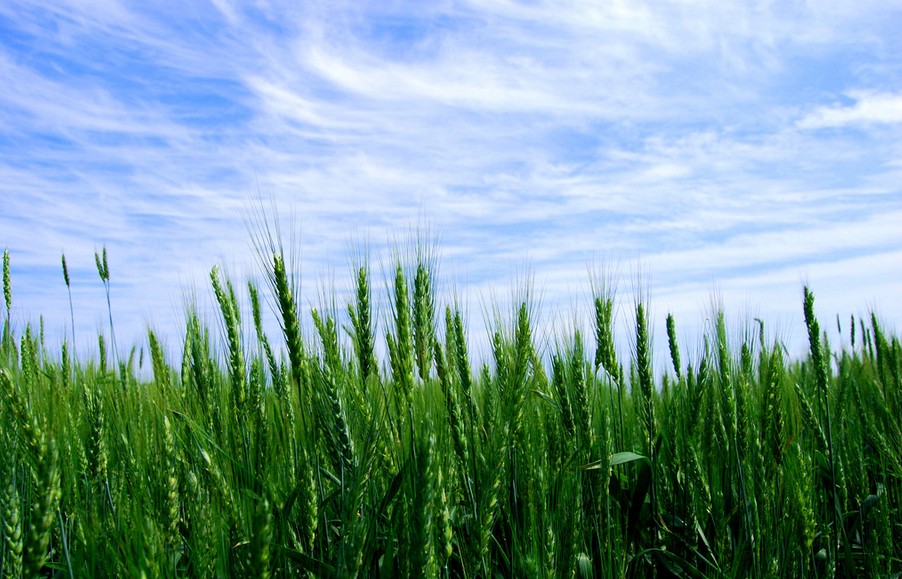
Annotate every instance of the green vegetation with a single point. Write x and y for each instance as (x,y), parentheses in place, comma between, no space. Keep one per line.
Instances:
(309,456)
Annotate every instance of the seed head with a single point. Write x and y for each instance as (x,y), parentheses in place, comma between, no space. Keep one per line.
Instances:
(65,270)
(7,283)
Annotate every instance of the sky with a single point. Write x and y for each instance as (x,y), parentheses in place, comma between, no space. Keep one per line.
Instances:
(691,152)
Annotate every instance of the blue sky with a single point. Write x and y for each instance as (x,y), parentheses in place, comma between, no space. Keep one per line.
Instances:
(724,149)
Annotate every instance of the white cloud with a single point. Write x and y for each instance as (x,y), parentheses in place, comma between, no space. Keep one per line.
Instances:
(868,108)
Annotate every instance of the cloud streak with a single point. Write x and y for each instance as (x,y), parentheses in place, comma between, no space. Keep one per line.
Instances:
(868,108)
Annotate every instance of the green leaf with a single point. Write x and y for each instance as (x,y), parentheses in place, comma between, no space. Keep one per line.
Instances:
(616,458)
(625,457)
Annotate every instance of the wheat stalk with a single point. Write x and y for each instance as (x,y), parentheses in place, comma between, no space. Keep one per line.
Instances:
(423,320)
(362,324)
(7,286)
(12,526)
(400,345)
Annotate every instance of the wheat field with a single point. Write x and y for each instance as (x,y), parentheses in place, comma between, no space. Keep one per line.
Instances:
(362,442)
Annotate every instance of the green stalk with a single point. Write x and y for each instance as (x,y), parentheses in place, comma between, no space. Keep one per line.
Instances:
(361,315)
(674,346)
(231,315)
(8,300)
(423,320)
(820,372)
(103,270)
(400,345)
(69,291)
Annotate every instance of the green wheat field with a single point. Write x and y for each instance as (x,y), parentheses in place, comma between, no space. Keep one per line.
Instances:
(360,442)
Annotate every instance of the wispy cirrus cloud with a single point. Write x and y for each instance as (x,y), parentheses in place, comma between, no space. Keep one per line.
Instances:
(722,143)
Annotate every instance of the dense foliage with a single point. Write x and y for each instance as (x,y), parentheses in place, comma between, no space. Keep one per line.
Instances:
(309,455)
